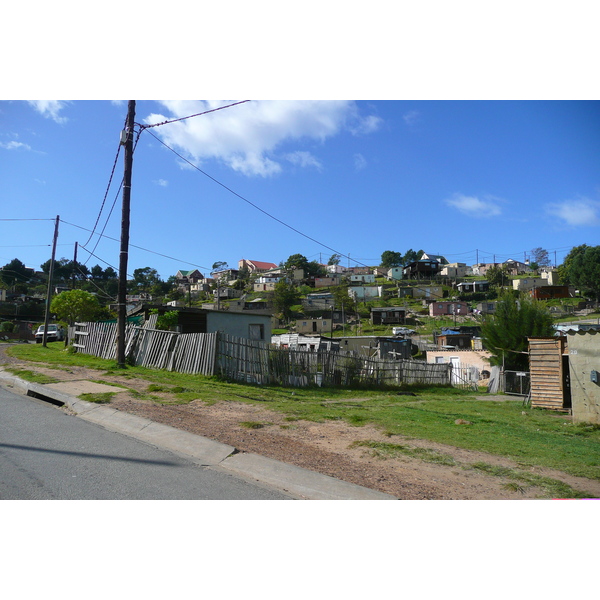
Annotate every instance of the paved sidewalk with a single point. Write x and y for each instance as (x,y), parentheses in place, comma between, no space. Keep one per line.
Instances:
(298,482)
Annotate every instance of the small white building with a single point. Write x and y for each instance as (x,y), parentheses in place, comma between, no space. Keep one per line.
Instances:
(362,293)
(528,283)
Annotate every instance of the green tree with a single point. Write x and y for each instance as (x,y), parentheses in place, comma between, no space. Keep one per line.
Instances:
(75,305)
(284,296)
(540,257)
(390,259)
(14,272)
(412,256)
(298,261)
(497,276)
(504,334)
(581,268)
(144,280)
(334,259)
(342,299)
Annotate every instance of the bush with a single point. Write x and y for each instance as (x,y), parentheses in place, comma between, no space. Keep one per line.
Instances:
(7,327)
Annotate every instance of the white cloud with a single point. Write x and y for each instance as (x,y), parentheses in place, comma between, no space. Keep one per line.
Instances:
(576,213)
(246,137)
(366,125)
(301,158)
(14,146)
(161,182)
(360,162)
(475,207)
(411,117)
(50,109)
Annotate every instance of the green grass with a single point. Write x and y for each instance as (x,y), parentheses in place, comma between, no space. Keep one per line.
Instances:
(32,376)
(536,438)
(388,450)
(550,487)
(98,398)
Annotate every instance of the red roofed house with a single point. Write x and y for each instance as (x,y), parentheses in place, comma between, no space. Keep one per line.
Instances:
(255,266)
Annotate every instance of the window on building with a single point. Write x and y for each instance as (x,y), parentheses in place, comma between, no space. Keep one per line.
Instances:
(256,332)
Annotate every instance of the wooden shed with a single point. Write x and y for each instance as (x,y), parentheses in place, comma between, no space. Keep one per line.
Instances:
(549,371)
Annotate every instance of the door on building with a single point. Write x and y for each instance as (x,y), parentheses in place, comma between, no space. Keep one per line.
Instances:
(455,362)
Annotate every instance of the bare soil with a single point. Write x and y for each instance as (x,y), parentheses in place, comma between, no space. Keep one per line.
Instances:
(327,447)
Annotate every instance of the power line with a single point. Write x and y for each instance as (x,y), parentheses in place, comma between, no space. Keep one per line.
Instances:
(191,116)
(251,203)
(179,260)
(105,195)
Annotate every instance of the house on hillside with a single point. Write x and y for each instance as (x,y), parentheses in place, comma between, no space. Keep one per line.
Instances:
(422,269)
(454,270)
(199,320)
(333,279)
(529,283)
(390,315)
(395,273)
(256,266)
(266,283)
(436,257)
(357,279)
(471,287)
(186,277)
(515,267)
(553,291)
(443,307)
(225,276)
(429,292)
(322,325)
(486,308)
(362,294)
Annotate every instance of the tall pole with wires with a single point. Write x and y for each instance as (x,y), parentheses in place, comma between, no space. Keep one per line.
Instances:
(50,276)
(127,139)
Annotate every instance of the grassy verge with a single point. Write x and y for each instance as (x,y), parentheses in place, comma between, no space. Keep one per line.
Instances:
(32,376)
(529,437)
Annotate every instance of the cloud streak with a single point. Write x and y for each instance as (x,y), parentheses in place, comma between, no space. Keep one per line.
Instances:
(579,212)
(475,207)
(250,138)
(50,109)
(15,146)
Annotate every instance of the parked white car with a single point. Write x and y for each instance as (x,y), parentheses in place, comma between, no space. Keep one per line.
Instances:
(55,333)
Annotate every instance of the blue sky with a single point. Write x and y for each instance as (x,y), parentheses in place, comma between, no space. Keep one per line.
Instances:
(466,179)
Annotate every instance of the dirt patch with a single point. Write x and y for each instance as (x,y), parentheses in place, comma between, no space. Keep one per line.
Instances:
(330,447)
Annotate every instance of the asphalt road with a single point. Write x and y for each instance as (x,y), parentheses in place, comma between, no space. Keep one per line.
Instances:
(47,454)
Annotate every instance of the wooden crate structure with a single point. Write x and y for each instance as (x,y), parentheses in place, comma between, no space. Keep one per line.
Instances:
(549,378)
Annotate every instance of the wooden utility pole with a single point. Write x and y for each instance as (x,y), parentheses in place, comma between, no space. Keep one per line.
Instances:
(127,140)
(50,276)
(73,274)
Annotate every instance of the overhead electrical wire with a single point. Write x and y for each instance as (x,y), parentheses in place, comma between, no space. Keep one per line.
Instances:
(248,201)
(138,247)
(190,116)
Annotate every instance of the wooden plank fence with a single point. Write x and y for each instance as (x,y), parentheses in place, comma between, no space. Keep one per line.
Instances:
(254,361)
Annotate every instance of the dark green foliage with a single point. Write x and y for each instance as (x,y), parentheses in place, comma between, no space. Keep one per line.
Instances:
(75,305)
(505,333)
(497,276)
(284,296)
(391,259)
(582,269)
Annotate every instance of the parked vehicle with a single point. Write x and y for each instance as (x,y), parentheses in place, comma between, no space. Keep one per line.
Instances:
(403,331)
(55,334)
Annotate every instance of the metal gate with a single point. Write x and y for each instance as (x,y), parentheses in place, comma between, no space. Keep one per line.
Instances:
(517,383)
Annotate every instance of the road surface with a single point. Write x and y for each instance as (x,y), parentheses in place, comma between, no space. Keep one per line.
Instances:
(47,454)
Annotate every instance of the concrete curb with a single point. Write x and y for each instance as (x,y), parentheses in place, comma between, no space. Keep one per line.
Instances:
(294,480)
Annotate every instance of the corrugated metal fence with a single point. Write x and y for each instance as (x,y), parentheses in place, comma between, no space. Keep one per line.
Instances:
(254,361)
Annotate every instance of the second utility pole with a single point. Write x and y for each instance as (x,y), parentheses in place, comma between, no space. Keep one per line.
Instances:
(122,294)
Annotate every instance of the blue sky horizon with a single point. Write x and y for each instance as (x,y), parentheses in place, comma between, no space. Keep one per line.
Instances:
(471,180)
